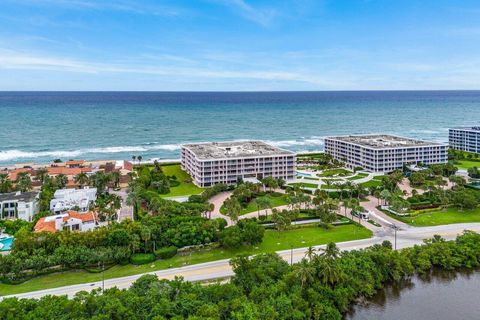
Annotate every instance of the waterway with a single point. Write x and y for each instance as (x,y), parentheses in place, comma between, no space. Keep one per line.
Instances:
(440,296)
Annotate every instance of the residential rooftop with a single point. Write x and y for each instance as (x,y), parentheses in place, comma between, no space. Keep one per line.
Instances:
(19,196)
(382,141)
(234,149)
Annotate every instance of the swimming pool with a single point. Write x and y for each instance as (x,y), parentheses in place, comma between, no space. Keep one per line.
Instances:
(303,174)
(6,243)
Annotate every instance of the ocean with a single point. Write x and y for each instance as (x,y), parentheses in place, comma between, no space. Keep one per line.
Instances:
(42,126)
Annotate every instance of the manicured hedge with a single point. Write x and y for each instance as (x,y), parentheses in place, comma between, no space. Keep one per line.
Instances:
(167,252)
(142,258)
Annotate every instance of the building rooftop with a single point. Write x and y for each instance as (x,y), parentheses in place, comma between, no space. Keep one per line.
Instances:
(19,196)
(234,149)
(468,128)
(381,141)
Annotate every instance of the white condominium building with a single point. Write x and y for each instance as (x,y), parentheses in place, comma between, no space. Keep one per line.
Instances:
(384,153)
(466,139)
(226,162)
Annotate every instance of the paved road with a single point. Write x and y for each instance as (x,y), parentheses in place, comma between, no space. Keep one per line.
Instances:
(221,269)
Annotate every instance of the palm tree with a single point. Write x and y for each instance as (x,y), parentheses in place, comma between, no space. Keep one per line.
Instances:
(23,182)
(377,195)
(61,180)
(385,195)
(233,208)
(134,158)
(146,235)
(304,272)
(310,253)
(41,174)
(139,159)
(6,184)
(81,179)
(133,197)
(331,251)
(114,177)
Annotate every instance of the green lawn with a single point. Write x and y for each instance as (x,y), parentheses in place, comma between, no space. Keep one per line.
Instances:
(303,185)
(310,178)
(360,175)
(335,172)
(466,164)
(435,218)
(375,182)
(185,188)
(252,206)
(273,241)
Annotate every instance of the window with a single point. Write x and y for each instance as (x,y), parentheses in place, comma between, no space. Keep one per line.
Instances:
(75,227)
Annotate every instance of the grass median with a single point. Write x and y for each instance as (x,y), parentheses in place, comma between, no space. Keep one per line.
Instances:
(441,217)
(273,241)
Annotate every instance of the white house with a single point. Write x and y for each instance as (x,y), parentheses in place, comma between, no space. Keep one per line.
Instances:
(67,199)
(71,220)
(19,205)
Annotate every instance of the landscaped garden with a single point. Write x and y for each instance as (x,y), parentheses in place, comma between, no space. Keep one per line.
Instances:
(337,172)
(185,186)
(359,175)
(272,241)
(435,218)
(303,185)
(255,204)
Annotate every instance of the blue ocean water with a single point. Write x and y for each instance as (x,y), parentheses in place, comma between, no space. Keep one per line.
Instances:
(42,126)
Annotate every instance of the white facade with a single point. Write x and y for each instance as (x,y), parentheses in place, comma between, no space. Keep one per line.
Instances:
(227,162)
(19,205)
(66,199)
(465,139)
(384,153)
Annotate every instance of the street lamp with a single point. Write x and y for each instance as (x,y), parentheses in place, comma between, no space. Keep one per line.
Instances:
(395,228)
(291,255)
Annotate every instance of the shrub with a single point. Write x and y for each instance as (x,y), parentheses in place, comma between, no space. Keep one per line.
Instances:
(142,258)
(173,183)
(166,252)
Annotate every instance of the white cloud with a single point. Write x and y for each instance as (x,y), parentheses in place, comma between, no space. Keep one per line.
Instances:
(262,16)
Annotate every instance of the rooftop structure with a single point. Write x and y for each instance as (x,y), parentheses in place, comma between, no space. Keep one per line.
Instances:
(382,141)
(384,153)
(71,220)
(227,162)
(234,149)
(66,199)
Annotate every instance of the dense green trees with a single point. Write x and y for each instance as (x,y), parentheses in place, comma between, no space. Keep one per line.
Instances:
(264,286)
(245,232)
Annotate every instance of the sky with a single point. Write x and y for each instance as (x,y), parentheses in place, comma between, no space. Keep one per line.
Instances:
(239,45)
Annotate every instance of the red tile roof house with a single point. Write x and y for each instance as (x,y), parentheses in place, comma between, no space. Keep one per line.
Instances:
(71,220)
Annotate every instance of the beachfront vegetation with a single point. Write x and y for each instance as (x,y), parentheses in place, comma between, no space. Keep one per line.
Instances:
(323,285)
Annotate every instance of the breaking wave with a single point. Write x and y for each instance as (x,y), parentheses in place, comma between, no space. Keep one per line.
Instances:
(13,155)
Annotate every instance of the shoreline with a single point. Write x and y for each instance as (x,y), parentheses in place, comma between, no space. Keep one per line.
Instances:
(37,165)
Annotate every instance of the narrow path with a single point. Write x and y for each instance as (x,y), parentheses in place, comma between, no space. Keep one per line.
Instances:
(380,217)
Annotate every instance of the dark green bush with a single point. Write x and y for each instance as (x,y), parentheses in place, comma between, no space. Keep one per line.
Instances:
(173,183)
(142,258)
(166,252)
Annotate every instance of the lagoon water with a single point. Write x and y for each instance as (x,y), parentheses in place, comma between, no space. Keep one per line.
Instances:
(42,126)
(442,296)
